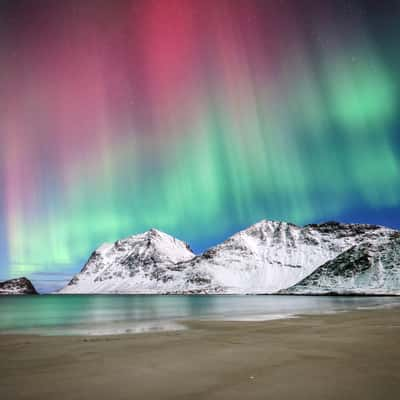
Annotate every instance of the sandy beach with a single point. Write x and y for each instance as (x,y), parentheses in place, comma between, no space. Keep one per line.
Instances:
(348,355)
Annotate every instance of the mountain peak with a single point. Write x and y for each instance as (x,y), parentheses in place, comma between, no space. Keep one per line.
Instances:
(156,232)
(138,260)
(150,234)
(274,223)
(265,227)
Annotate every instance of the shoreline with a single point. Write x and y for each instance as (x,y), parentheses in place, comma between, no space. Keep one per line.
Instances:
(322,294)
(143,327)
(353,354)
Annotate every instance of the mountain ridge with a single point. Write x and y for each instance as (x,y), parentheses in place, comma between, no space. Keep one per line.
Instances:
(266,257)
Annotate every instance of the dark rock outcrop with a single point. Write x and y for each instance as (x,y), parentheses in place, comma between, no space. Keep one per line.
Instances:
(17,286)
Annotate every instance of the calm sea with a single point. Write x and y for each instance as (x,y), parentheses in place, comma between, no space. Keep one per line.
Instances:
(116,314)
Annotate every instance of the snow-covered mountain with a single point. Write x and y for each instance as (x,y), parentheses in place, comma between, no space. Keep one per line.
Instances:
(17,286)
(264,258)
(270,256)
(145,263)
(367,268)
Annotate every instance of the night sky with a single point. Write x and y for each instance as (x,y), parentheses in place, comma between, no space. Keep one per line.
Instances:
(197,117)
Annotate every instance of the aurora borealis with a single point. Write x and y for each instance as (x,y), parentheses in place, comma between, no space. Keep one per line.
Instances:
(198,117)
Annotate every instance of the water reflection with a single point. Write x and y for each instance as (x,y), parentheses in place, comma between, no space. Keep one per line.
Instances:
(107,314)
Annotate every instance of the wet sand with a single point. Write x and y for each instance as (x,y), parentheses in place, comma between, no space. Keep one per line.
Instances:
(354,355)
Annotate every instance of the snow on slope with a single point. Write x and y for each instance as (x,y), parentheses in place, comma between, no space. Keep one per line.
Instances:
(264,258)
(270,256)
(17,286)
(367,268)
(144,263)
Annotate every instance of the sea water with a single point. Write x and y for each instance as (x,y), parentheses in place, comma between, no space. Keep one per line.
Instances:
(118,314)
